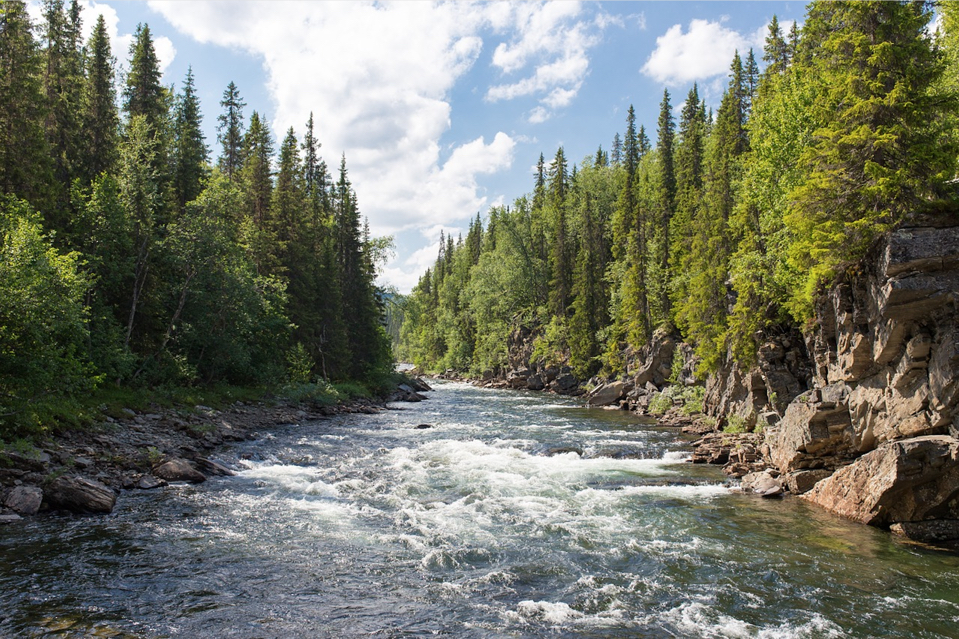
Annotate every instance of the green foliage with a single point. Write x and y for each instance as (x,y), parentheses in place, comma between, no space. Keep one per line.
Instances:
(42,323)
(299,364)
(735,424)
(689,400)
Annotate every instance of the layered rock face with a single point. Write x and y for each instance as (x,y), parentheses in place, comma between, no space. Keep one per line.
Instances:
(885,407)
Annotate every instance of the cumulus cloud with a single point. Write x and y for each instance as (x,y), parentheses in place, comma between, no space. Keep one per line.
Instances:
(553,38)
(119,43)
(378,81)
(703,51)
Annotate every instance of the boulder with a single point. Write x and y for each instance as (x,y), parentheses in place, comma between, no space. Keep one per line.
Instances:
(903,481)
(564,384)
(79,494)
(9,518)
(607,394)
(535,382)
(179,470)
(24,500)
(763,484)
(212,467)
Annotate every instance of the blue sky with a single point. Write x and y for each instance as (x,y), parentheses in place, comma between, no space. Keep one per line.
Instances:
(442,109)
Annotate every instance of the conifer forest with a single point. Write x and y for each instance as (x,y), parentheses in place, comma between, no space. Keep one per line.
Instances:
(130,257)
(717,226)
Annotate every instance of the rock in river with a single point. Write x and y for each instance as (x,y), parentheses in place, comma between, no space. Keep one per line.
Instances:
(25,500)
(179,470)
(80,494)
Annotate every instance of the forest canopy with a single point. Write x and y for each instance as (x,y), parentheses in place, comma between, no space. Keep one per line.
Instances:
(129,256)
(727,224)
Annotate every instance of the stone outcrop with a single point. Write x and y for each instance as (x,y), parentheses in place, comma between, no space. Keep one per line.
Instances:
(884,412)
(910,480)
(761,394)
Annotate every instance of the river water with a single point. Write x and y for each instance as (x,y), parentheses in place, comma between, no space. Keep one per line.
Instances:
(516,515)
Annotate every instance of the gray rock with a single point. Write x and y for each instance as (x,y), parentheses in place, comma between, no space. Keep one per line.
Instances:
(212,467)
(9,518)
(179,470)
(79,494)
(929,531)
(607,394)
(423,426)
(25,500)
(149,482)
(535,382)
(763,484)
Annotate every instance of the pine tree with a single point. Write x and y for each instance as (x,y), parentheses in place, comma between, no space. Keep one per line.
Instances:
(100,119)
(689,184)
(190,153)
(230,131)
(560,250)
(256,179)
(616,152)
(776,51)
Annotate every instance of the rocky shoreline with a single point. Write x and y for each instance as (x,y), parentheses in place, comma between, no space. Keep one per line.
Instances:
(85,470)
(858,414)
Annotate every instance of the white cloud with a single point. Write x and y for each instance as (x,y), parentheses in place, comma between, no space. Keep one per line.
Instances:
(704,51)
(554,38)
(377,77)
(119,43)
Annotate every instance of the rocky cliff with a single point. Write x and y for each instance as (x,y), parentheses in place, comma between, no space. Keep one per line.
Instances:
(882,418)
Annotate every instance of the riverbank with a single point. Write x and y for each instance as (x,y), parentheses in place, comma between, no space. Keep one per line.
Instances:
(84,469)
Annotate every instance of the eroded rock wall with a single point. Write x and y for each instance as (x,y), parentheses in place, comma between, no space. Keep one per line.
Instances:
(885,355)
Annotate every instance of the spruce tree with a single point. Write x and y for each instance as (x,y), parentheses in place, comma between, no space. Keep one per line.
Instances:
(230,131)
(100,119)
(25,168)
(667,202)
(560,250)
(63,86)
(190,153)
(143,93)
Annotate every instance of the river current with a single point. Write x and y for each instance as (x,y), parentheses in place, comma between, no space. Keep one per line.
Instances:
(515,515)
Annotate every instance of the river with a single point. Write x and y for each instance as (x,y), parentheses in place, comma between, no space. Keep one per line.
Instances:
(515,515)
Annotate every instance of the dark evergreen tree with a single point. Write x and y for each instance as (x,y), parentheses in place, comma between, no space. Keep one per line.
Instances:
(100,121)
(230,131)
(143,93)
(190,153)
(25,166)
(667,202)
(560,245)
(63,86)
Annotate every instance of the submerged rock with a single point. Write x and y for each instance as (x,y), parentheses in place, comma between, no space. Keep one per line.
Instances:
(79,494)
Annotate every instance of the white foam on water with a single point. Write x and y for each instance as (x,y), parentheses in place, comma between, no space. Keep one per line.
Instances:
(556,613)
(293,479)
(697,619)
